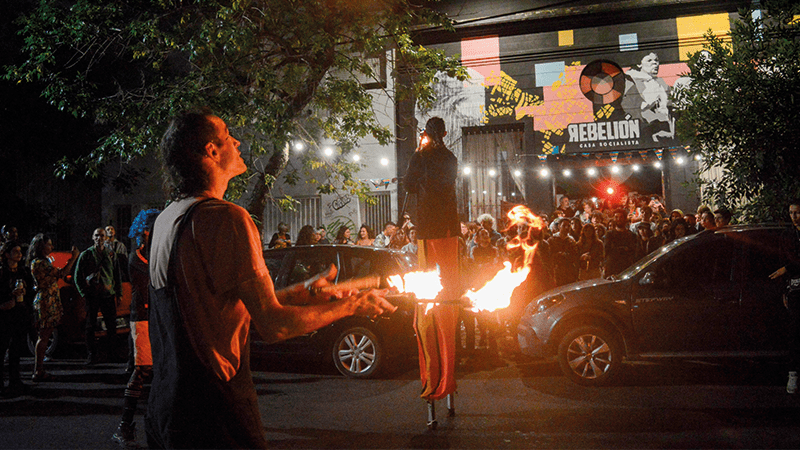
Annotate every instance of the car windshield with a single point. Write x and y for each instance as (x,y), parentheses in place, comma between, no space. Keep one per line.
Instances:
(643,263)
(407,261)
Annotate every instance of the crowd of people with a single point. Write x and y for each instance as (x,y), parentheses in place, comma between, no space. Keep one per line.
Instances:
(403,237)
(30,298)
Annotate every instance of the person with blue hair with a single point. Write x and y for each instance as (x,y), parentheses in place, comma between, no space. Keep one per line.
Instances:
(141,367)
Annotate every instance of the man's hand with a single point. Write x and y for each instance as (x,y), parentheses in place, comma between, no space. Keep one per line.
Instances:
(371,303)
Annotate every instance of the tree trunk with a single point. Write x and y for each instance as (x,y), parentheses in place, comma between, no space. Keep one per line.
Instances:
(257,201)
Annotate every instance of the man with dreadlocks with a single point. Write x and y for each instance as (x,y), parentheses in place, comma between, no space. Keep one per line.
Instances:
(431,175)
(138,269)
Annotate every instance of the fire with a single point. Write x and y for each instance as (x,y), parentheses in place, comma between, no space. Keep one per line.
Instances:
(496,293)
(424,285)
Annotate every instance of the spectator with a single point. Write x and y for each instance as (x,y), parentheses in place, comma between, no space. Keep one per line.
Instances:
(398,240)
(98,280)
(620,245)
(643,237)
(343,236)
(281,239)
(691,221)
(699,216)
(412,245)
(474,227)
(665,230)
(707,221)
(557,215)
(385,238)
(406,223)
(790,258)
(590,249)
(365,236)
(142,368)
(647,217)
(323,235)
(675,214)
(16,291)
(307,236)
(484,259)
(587,209)
(576,228)
(597,218)
(487,222)
(565,207)
(600,231)
(113,243)
(119,249)
(47,307)
(679,228)
(564,254)
(722,217)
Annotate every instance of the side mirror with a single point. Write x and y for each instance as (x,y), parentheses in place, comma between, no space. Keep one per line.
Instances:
(648,278)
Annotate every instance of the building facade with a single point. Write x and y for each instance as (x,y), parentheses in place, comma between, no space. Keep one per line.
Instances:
(570,100)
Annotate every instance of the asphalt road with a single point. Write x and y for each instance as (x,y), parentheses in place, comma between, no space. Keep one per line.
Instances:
(501,403)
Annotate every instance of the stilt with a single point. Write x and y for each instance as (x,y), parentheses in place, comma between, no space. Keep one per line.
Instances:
(451,405)
(431,415)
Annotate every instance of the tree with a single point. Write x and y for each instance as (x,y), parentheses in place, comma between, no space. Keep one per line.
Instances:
(274,69)
(741,111)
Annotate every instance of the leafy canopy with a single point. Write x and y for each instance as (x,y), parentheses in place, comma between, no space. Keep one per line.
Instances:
(742,111)
(273,69)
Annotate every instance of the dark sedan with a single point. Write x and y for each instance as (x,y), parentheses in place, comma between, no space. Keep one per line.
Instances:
(705,296)
(359,347)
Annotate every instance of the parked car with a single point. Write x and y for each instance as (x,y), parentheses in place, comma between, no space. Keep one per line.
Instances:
(71,330)
(359,347)
(703,296)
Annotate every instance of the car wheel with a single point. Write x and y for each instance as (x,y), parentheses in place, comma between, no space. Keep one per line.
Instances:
(33,336)
(590,355)
(358,353)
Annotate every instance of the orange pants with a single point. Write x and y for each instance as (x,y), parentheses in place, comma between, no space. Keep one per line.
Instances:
(436,326)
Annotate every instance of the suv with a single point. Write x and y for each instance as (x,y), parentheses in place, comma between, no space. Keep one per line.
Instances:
(702,296)
(358,346)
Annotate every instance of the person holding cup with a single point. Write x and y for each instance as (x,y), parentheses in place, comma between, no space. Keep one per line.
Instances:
(15,286)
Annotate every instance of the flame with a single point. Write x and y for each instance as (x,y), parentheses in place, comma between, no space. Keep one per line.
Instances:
(496,293)
(424,285)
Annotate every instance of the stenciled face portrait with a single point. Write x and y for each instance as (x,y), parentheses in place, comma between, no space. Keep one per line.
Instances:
(650,64)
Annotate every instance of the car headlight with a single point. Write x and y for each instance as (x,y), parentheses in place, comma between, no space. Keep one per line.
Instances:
(547,302)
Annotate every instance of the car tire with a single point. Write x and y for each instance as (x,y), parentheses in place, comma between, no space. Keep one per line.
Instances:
(590,355)
(52,346)
(358,353)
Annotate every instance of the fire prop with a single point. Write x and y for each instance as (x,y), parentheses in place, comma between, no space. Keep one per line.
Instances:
(496,293)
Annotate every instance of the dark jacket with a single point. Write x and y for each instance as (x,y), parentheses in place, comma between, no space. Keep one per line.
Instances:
(105,263)
(432,176)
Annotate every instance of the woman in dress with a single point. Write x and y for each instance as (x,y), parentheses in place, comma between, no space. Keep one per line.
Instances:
(365,236)
(343,236)
(47,303)
(16,284)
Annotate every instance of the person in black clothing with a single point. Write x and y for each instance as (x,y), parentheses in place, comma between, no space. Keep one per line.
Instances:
(16,289)
(790,256)
(620,245)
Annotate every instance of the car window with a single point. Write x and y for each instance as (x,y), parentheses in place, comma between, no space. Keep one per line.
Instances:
(274,262)
(761,253)
(704,262)
(308,264)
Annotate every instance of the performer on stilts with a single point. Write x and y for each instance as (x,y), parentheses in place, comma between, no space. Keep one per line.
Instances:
(431,175)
